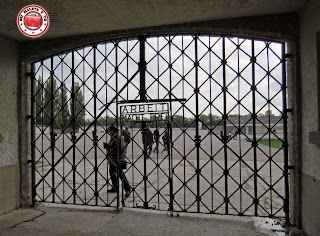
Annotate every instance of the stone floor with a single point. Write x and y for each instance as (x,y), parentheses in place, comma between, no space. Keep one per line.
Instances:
(46,219)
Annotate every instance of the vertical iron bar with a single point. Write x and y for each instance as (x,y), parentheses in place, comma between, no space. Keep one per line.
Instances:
(158,62)
(144,130)
(184,134)
(33,117)
(106,135)
(63,139)
(95,141)
(211,124)
(253,88)
(84,137)
(117,124)
(142,69)
(73,132)
(225,137)
(238,135)
(132,161)
(170,130)
(127,58)
(285,133)
(52,129)
(132,156)
(158,93)
(269,132)
(197,137)
(42,134)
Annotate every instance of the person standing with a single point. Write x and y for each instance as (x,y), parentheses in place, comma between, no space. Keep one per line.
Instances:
(222,135)
(127,138)
(147,140)
(156,135)
(115,155)
(166,140)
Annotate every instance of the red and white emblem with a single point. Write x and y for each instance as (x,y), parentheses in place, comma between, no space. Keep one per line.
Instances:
(33,21)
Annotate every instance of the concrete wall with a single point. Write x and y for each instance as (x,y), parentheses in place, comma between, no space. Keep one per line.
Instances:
(309,26)
(9,157)
(282,27)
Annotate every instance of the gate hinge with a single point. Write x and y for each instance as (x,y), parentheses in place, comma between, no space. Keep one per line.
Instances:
(28,74)
(289,110)
(30,116)
(30,162)
(290,167)
(288,55)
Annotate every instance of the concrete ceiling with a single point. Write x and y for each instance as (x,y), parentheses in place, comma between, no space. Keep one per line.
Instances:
(74,17)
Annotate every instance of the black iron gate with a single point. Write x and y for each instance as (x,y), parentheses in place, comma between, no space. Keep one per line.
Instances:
(227,151)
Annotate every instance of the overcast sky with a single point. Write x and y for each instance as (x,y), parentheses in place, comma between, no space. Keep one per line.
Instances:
(238,61)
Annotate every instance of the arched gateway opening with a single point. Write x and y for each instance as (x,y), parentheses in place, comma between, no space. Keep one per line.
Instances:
(223,99)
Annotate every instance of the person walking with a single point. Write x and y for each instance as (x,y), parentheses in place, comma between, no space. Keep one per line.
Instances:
(166,140)
(222,135)
(156,135)
(127,138)
(147,140)
(116,157)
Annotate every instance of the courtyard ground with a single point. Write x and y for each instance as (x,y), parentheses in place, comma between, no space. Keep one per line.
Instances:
(52,220)
(78,185)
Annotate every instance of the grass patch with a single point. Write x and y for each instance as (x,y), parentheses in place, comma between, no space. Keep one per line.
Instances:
(275,143)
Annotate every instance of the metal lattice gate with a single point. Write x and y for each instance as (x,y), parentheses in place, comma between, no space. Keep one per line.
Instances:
(227,153)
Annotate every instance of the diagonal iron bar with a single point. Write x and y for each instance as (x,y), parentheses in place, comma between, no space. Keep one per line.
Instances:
(89,126)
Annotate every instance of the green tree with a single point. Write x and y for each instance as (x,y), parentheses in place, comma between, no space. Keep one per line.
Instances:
(77,106)
(48,102)
(58,117)
(39,101)
(88,121)
(65,112)
(204,120)
(213,119)
(102,121)
(183,121)
(178,121)
(110,120)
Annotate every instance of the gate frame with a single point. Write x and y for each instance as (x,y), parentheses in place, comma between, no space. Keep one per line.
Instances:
(143,98)
(276,29)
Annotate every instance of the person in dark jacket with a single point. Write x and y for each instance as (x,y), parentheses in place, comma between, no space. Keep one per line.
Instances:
(127,138)
(166,140)
(156,135)
(147,140)
(222,134)
(115,155)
